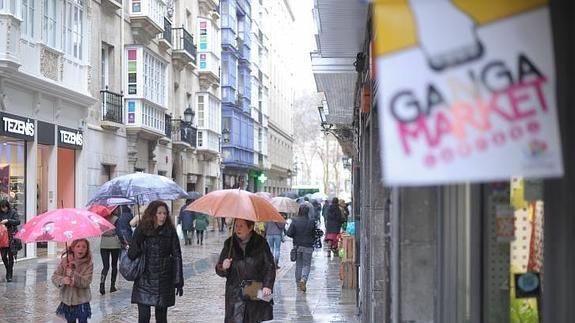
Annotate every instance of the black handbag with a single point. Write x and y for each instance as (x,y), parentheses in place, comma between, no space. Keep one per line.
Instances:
(130,269)
(293,254)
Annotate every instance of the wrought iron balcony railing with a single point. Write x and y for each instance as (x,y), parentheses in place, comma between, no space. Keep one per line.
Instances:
(184,132)
(184,41)
(167,34)
(112,106)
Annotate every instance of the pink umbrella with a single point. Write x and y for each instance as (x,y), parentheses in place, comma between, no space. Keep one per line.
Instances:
(64,225)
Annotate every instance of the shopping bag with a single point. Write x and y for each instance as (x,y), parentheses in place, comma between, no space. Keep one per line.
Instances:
(130,269)
(180,232)
(4,237)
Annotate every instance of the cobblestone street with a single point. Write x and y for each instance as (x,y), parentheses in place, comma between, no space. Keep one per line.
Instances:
(31,297)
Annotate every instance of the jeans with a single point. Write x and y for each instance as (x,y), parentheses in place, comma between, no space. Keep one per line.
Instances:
(303,263)
(144,314)
(275,242)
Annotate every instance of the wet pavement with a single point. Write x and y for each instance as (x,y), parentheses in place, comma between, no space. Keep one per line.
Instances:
(31,297)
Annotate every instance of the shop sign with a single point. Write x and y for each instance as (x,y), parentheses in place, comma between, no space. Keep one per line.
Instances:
(46,133)
(17,127)
(70,138)
(467,91)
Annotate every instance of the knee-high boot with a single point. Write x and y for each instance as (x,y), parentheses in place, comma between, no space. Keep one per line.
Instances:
(113,282)
(102,284)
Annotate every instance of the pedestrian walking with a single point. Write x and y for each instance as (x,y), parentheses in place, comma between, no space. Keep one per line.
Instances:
(156,239)
(186,219)
(302,230)
(110,246)
(10,220)
(246,257)
(202,224)
(307,203)
(333,225)
(73,278)
(274,232)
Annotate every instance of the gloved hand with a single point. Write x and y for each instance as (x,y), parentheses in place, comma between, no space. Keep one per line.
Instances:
(179,291)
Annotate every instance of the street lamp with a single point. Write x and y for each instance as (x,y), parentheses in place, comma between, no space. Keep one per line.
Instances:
(324,125)
(189,115)
(346,161)
(226,135)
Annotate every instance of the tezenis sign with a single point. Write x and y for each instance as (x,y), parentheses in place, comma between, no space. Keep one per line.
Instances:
(70,138)
(17,127)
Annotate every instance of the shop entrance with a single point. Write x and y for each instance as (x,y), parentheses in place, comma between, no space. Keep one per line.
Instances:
(66,178)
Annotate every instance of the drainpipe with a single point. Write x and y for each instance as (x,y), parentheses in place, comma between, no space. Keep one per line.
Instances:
(394,266)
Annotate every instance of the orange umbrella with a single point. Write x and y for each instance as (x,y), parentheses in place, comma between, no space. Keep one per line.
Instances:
(102,210)
(238,204)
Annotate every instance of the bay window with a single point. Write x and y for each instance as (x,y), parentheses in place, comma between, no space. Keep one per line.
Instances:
(154,79)
(73,39)
(49,23)
(28,7)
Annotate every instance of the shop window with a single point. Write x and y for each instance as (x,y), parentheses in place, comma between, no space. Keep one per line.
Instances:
(12,174)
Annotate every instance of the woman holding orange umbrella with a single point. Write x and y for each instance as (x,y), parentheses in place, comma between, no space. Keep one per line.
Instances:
(245,260)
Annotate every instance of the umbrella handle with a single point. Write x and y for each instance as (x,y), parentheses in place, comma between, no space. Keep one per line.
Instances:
(231,236)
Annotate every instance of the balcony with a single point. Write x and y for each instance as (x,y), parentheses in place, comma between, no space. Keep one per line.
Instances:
(183,50)
(146,18)
(166,35)
(112,109)
(112,5)
(208,70)
(184,135)
(146,119)
(9,42)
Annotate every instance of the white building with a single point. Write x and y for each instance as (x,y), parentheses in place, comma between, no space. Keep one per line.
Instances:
(106,89)
(281,34)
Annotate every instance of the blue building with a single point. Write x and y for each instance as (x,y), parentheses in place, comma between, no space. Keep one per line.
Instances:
(237,123)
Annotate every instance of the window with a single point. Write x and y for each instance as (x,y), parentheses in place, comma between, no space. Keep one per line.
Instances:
(201,111)
(200,138)
(8,6)
(49,23)
(104,66)
(153,117)
(154,79)
(72,41)
(27,25)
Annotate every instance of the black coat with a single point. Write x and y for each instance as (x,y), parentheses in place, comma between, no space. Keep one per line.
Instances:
(333,219)
(302,230)
(257,263)
(163,270)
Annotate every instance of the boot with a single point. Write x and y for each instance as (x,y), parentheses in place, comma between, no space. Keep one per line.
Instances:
(113,282)
(9,273)
(102,284)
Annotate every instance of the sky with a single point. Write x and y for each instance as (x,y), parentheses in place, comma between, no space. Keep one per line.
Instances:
(305,41)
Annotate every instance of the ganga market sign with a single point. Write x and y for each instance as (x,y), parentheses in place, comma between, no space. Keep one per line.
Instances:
(466,91)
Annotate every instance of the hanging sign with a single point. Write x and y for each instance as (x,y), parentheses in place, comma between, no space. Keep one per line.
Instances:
(466,91)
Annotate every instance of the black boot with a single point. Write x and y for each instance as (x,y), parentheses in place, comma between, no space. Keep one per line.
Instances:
(113,283)
(9,273)
(102,284)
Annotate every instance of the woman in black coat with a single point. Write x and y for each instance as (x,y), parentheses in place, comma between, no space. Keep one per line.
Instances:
(156,238)
(250,259)
(333,224)
(10,219)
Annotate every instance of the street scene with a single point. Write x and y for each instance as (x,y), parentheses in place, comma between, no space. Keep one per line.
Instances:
(31,297)
(246,161)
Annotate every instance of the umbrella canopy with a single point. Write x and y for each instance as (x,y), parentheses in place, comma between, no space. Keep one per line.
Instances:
(64,225)
(194,195)
(236,203)
(102,210)
(266,195)
(290,194)
(318,196)
(140,187)
(285,204)
(115,201)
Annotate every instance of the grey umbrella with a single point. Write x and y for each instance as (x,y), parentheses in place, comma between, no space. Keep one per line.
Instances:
(290,194)
(142,188)
(194,195)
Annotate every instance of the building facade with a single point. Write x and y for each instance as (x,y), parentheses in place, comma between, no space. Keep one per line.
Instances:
(107,89)
(281,95)
(237,121)
(448,253)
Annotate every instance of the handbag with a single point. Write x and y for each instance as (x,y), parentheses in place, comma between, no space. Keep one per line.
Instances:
(293,254)
(130,269)
(250,289)
(16,245)
(4,237)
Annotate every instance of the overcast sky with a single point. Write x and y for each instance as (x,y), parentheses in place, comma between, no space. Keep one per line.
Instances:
(305,40)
